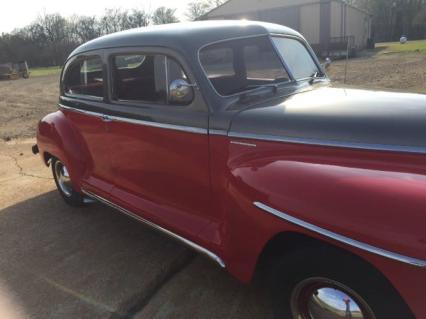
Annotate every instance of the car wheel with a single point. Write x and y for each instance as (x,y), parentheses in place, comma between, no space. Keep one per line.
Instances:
(64,185)
(331,284)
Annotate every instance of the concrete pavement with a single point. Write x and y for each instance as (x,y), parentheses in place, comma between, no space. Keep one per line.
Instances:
(62,262)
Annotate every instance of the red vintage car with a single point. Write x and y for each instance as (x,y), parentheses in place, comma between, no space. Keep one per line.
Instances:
(230,137)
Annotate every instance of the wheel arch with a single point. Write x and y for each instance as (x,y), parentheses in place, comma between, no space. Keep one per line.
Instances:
(47,158)
(287,243)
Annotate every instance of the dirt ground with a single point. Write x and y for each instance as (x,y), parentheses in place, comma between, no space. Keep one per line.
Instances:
(24,102)
(405,72)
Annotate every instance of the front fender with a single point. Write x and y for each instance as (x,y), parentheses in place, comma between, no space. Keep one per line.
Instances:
(377,198)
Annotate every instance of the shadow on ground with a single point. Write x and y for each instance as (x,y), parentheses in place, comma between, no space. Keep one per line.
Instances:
(62,262)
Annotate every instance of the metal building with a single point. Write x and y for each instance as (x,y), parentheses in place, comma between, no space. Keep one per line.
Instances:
(328,25)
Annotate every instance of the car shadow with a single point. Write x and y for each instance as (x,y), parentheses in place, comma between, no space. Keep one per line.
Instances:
(62,262)
(58,261)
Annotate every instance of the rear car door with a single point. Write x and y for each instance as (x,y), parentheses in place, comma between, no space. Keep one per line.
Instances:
(83,91)
(159,147)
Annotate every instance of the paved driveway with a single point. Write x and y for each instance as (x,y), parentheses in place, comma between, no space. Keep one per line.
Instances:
(61,262)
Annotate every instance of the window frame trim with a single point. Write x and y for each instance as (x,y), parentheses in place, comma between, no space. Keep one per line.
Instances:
(145,50)
(83,56)
(268,35)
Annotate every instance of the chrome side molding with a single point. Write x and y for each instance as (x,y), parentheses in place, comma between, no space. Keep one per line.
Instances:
(111,118)
(243,144)
(189,243)
(343,239)
(330,143)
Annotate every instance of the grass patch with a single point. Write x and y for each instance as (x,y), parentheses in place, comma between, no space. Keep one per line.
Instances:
(396,47)
(45,71)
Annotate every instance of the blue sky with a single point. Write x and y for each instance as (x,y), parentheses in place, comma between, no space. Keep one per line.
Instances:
(18,13)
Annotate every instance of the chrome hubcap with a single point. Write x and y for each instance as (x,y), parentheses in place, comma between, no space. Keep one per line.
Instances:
(321,298)
(63,178)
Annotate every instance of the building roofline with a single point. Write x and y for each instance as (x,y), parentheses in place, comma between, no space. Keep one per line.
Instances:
(205,15)
(213,9)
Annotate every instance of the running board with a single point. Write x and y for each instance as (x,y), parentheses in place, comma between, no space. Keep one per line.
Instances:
(189,243)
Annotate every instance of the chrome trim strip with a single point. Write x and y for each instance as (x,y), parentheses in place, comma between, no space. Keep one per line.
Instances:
(243,144)
(72,109)
(188,129)
(191,244)
(218,132)
(331,143)
(343,239)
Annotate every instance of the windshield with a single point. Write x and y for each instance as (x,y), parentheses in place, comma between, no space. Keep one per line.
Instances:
(297,58)
(236,66)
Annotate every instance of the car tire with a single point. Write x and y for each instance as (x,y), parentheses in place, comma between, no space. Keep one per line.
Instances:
(63,183)
(304,283)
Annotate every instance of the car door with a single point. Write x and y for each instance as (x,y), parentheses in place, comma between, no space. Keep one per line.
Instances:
(159,148)
(83,89)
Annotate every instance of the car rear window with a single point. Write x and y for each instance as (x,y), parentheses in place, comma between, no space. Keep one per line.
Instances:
(85,77)
(236,66)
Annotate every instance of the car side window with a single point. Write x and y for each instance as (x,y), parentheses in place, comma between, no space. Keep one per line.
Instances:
(145,78)
(237,66)
(85,77)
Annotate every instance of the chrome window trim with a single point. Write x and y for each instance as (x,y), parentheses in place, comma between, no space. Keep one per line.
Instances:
(343,239)
(181,128)
(189,243)
(331,143)
(84,97)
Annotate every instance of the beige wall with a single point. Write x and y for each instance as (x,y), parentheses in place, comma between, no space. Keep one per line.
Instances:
(309,23)
(238,6)
(336,29)
(358,25)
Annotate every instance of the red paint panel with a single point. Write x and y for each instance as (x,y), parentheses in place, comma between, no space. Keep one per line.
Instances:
(162,174)
(374,197)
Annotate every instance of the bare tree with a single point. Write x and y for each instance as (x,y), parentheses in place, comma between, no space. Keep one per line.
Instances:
(196,9)
(139,18)
(163,15)
(85,28)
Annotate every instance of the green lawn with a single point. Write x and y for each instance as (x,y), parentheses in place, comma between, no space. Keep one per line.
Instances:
(395,47)
(45,71)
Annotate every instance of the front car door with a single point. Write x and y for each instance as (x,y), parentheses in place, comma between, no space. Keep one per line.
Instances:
(159,148)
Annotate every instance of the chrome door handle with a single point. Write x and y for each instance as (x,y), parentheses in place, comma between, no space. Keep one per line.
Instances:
(106,118)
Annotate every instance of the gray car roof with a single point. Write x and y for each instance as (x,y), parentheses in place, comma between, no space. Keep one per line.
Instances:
(184,37)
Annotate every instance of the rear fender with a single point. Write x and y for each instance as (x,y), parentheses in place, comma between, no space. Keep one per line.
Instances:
(57,137)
